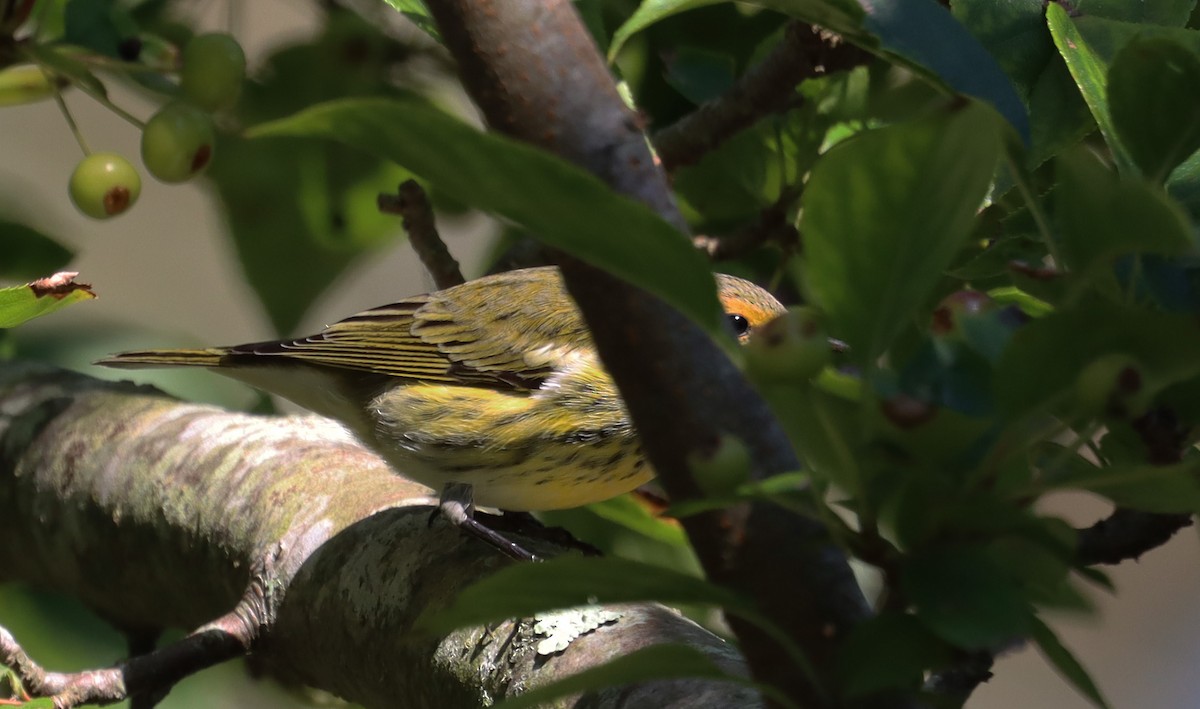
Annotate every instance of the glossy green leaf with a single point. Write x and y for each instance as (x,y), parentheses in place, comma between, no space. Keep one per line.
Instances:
(925,34)
(566,582)
(884,215)
(890,651)
(575,211)
(647,664)
(1015,34)
(21,303)
(1173,13)
(1107,37)
(1154,95)
(418,14)
(965,598)
(1065,662)
(1101,216)
(1091,76)
(26,253)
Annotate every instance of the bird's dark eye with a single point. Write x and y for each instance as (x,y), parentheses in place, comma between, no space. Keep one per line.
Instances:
(740,324)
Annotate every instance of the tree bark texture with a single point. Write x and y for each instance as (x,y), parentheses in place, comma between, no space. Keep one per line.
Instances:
(152,512)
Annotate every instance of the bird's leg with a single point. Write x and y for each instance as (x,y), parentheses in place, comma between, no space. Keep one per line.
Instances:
(457,506)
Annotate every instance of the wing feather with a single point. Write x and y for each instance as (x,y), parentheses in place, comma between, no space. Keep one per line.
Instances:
(500,331)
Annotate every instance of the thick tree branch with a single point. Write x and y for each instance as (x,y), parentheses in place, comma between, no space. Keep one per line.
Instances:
(1127,534)
(805,52)
(534,71)
(157,514)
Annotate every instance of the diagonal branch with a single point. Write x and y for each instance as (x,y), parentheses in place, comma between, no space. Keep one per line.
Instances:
(534,71)
(806,52)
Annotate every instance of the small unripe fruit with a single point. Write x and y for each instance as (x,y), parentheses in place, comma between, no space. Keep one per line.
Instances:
(104,185)
(907,412)
(720,470)
(214,67)
(177,143)
(792,346)
(957,305)
(1112,385)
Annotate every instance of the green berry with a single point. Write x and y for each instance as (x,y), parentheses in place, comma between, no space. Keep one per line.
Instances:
(792,346)
(214,67)
(722,468)
(963,304)
(177,143)
(104,185)
(1111,385)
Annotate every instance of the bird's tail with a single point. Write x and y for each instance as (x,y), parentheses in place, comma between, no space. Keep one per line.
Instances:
(138,359)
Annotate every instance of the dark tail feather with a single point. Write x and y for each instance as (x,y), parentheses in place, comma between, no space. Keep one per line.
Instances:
(164,358)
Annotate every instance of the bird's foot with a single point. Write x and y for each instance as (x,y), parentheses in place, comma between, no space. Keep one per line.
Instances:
(456,506)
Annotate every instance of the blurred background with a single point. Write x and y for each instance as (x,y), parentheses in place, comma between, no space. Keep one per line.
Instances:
(167,274)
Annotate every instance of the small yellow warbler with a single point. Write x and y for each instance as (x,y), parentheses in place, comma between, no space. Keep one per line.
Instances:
(494,384)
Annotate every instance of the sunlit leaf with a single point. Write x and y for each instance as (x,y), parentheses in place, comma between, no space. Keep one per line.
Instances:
(575,211)
(884,215)
(566,582)
(21,303)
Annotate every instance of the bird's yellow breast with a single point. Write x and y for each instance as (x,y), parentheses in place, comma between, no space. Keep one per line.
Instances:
(567,444)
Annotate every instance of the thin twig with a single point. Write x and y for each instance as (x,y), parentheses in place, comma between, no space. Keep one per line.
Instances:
(769,87)
(416,213)
(153,673)
(771,227)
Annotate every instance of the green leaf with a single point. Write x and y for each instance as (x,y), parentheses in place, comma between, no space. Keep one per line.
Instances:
(890,651)
(1154,95)
(788,490)
(308,200)
(629,513)
(1107,37)
(1090,76)
(1101,216)
(1168,489)
(921,33)
(416,12)
(657,662)
(312,200)
(927,35)
(97,25)
(575,211)
(964,597)
(566,582)
(1015,34)
(21,303)
(26,253)
(1065,662)
(884,215)
(1174,13)
(1045,356)
(1184,185)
